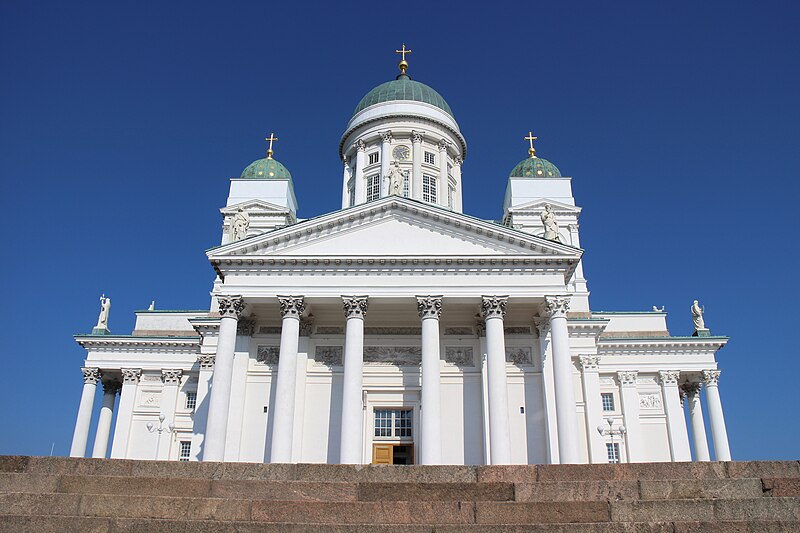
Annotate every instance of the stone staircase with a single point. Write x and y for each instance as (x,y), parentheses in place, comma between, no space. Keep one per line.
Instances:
(55,494)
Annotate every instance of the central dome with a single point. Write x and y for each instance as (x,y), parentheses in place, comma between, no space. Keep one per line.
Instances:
(403,88)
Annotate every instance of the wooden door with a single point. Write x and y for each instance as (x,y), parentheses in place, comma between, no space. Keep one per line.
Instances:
(382,454)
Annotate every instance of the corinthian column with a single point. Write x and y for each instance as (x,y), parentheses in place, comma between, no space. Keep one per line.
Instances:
(722,451)
(676,422)
(416,165)
(629,396)
(556,307)
(493,311)
(361,162)
(698,426)
(590,372)
(430,310)
(345,181)
(386,150)
(292,308)
(355,309)
(127,399)
(171,378)
(230,309)
(110,390)
(90,378)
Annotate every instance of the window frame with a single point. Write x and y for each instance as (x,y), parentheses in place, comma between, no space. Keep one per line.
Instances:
(376,155)
(429,158)
(613,453)
(191,401)
(612,403)
(399,428)
(429,189)
(373,188)
(184,450)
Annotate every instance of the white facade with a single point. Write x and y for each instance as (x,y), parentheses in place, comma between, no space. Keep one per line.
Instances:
(399,329)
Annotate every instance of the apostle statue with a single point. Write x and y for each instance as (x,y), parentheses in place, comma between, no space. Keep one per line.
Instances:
(105,307)
(550,224)
(697,317)
(395,178)
(239,225)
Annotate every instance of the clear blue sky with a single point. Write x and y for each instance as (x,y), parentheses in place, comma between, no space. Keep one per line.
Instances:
(121,122)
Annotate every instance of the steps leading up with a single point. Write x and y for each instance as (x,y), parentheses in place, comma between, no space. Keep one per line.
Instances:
(64,494)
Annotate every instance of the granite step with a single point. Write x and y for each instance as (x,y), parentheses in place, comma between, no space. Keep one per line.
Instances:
(51,524)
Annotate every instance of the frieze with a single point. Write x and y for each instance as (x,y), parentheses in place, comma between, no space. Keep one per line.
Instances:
(459,355)
(393,355)
(458,331)
(150,398)
(268,355)
(328,355)
(269,330)
(518,355)
(650,401)
(330,330)
(392,331)
(517,330)
(151,377)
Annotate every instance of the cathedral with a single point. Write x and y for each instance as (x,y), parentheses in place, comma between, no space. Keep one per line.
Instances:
(399,329)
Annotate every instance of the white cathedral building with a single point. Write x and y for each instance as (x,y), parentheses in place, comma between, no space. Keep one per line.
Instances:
(399,329)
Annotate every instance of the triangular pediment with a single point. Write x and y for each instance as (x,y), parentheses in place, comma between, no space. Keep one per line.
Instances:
(537,206)
(254,205)
(395,227)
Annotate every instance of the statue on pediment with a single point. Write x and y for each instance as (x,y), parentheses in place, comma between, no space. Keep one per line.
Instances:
(697,316)
(240,225)
(395,178)
(105,307)
(550,224)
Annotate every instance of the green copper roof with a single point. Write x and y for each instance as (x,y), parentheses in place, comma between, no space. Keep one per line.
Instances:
(265,169)
(535,167)
(403,88)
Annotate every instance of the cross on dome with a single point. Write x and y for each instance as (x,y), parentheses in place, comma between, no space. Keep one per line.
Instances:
(403,63)
(271,138)
(531,138)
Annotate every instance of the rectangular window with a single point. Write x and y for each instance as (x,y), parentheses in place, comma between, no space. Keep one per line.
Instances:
(613,452)
(608,401)
(374,157)
(451,192)
(396,423)
(191,400)
(373,187)
(429,189)
(430,158)
(185,452)
(406,184)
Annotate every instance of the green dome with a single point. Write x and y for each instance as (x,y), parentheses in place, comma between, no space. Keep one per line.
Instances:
(266,169)
(535,167)
(403,88)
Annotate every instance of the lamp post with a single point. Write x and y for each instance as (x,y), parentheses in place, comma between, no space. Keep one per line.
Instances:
(160,429)
(610,431)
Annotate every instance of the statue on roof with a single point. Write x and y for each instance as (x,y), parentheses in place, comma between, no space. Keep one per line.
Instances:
(697,317)
(105,307)
(550,224)
(395,178)
(239,225)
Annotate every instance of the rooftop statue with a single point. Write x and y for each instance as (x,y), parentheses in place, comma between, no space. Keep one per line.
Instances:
(697,316)
(550,224)
(395,178)
(105,307)
(240,225)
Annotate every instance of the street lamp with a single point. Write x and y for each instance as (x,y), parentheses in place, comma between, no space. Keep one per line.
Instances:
(152,429)
(610,431)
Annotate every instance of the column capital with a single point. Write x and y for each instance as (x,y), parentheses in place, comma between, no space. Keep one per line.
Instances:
(292,306)
(493,307)
(542,324)
(361,145)
(429,307)
(206,361)
(131,375)
(111,386)
(416,137)
(669,377)
(90,375)
(692,388)
(589,362)
(230,306)
(246,326)
(627,377)
(711,377)
(556,306)
(443,144)
(573,227)
(171,376)
(386,136)
(306,325)
(457,160)
(355,306)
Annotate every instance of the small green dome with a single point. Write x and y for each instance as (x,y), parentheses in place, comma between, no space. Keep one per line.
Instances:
(265,169)
(535,167)
(403,88)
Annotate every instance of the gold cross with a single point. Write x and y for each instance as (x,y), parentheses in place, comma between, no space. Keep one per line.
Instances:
(531,138)
(271,138)
(403,52)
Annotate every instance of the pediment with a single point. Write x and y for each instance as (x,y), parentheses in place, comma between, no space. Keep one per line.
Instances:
(537,206)
(395,227)
(254,205)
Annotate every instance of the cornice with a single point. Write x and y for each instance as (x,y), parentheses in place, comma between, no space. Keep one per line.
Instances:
(129,341)
(661,346)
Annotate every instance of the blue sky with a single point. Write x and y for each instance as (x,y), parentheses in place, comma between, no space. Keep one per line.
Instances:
(121,122)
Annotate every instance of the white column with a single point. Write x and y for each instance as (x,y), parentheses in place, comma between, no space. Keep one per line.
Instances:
(722,451)
(127,399)
(493,310)
(416,165)
(306,328)
(629,397)
(444,182)
(361,162)
(386,150)
(701,452)
(90,378)
(200,418)
(345,181)
(292,308)
(590,374)
(676,422)
(480,330)
(556,308)
(430,310)
(171,379)
(230,308)
(110,390)
(457,203)
(351,444)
